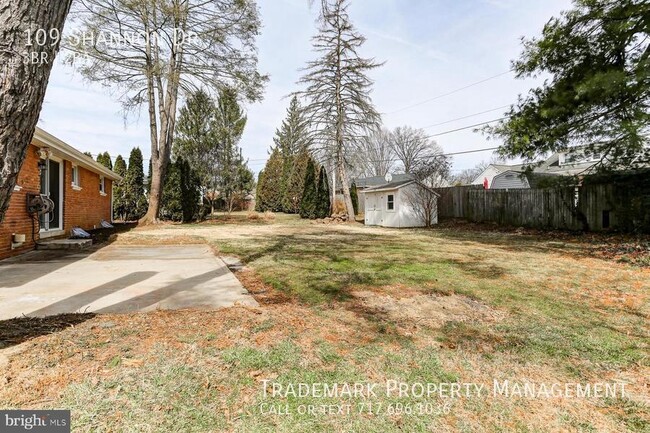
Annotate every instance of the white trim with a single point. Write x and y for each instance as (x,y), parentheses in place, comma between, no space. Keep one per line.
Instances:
(103,194)
(61,163)
(76,180)
(45,139)
(102,185)
(17,188)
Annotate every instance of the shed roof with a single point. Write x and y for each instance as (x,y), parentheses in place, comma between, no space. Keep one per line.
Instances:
(368,182)
(395,184)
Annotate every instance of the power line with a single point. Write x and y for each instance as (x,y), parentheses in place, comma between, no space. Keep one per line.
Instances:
(467,127)
(466,117)
(461,152)
(417,104)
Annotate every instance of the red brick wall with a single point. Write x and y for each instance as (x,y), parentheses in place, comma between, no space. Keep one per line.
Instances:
(84,208)
(17,220)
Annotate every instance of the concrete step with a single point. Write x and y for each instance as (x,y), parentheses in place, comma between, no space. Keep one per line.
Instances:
(64,244)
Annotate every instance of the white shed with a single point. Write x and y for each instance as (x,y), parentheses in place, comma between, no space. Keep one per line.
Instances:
(394,204)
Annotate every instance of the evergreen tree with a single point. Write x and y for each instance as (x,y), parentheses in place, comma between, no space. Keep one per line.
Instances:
(270,190)
(181,193)
(597,93)
(309,195)
(338,89)
(105,160)
(291,139)
(355,197)
(197,142)
(260,205)
(135,200)
(171,207)
(119,203)
(235,180)
(323,205)
(296,184)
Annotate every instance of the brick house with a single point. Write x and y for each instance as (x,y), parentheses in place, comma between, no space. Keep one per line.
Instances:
(80,188)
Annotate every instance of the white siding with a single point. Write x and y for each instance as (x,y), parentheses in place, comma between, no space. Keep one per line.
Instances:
(489,173)
(510,180)
(402,216)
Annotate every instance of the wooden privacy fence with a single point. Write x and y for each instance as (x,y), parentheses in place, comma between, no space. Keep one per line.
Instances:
(591,207)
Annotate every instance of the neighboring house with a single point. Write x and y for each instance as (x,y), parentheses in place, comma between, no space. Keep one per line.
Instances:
(500,176)
(493,170)
(80,188)
(389,205)
(510,179)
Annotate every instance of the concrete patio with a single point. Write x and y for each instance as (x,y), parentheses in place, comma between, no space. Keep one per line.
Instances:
(118,279)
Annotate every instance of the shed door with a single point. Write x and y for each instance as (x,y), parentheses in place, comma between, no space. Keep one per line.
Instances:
(372,210)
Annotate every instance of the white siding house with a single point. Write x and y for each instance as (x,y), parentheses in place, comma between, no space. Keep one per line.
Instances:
(389,205)
(510,180)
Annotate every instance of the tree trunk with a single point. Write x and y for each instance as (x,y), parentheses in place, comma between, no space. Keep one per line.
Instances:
(23,82)
(345,186)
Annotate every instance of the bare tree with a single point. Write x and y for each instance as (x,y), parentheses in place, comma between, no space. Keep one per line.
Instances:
(424,202)
(412,147)
(29,41)
(148,50)
(375,155)
(337,91)
(431,173)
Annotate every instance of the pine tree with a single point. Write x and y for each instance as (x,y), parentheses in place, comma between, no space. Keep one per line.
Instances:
(270,192)
(105,160)
(260,205)
(309,195)
(119,203)
(339,107)
(296,184)
(355,197)
(596,60)
(323,205)
(135,200)
(171,207)
(180,193)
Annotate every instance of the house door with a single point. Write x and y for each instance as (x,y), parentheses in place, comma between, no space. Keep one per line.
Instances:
(52,186)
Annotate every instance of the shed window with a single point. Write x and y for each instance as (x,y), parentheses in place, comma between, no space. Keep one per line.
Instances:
(390,202)
(102,185)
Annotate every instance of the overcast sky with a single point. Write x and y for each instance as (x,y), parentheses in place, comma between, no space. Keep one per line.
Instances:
(430,47)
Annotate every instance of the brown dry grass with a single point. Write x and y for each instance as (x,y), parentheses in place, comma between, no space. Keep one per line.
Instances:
(357,303)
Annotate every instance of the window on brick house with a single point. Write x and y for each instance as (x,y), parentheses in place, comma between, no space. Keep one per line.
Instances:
(102,186)
(75,176)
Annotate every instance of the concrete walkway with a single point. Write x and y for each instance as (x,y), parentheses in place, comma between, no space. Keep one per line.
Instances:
(118,279)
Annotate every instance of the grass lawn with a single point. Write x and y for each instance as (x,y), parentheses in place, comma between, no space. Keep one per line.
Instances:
(355,304)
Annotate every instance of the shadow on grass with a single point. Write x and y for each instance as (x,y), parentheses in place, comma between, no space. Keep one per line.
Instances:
(20,329)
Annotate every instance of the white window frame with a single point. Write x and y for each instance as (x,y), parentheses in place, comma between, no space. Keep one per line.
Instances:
(76,177)
(389,201)
(102,185)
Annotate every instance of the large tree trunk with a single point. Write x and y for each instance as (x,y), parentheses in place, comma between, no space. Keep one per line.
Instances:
(345,186)
(23,82)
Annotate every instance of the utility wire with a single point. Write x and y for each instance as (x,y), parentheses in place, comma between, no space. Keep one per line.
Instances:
(465,117)
(417,104)
(467,127)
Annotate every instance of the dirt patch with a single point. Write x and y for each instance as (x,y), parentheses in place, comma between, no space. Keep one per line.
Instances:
(263,293)
(433,310)
(15,331)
